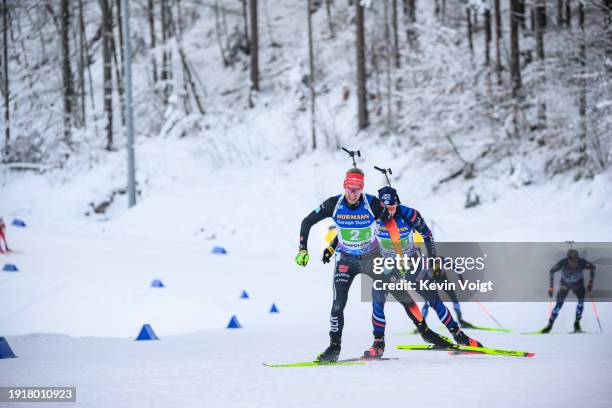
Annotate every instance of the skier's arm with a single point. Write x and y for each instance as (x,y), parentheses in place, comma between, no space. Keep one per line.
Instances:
(557,267)
(379,212)
(330,250)
(591,268)
(416,221)
(334,242)
(323,211)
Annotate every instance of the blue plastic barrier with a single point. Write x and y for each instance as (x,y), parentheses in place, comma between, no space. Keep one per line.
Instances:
(146,333)
(234,323)
(5,349)
(10,268)
(157,284)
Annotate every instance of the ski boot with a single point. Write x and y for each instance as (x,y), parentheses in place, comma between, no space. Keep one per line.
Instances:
(463,323)
(547,328)
(331,353)
(376,350)
(431,336)
(577,328)
(463,339)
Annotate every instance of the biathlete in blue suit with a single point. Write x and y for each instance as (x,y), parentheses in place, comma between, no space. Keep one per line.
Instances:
(572,278)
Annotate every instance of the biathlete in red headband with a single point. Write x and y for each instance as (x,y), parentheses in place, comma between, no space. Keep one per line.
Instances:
(355,215)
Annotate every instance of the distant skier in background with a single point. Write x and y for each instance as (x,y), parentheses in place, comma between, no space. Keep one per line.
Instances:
(407,219)
(3,237)
(355,215)
(572,278)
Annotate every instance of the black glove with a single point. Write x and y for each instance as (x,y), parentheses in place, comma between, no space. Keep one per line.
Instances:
(327,254)
(385,216)
(589,286)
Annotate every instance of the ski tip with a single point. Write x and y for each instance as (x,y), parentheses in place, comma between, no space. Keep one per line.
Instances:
(529,354)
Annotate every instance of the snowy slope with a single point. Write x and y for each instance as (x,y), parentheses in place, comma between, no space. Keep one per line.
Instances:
(240,178)
(86,283)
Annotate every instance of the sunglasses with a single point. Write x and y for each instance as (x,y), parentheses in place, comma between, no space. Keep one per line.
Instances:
(352,190)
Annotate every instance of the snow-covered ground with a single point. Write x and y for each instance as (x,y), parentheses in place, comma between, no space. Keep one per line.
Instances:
(82,293)
(243,179)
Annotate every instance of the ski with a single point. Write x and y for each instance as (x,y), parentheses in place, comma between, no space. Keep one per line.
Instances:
(470,349)
(348,361)
(473,327)
(371,359)
(495,329)
(315,363)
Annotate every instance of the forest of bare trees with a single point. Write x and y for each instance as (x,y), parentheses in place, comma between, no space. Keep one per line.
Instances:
(73,51)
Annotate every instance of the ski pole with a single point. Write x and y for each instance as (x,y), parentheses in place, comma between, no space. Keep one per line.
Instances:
(484,309)
(549,308)
(596,313)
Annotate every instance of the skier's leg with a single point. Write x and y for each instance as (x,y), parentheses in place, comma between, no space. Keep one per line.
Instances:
(561,294)
(345,271)
(377,349)
(414,314)
(425,310)
(456,306)
(344,274)
(3,239)
(379,297)
(433,298)
(579,291)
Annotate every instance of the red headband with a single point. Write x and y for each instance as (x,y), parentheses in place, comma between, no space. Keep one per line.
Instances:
(353,179)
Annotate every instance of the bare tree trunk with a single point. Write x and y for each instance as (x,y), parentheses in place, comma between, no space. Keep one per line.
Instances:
(6,90)
(521,13)
(254,46)
(165,70)
(515,65)
(245,18)
(107,30)
(151,15)
(311,77)
(82,61)
(498,37)
(188,82)
(409,7)
(388,58)
(607,9)
(396,52)
(443,11)
(328,4)
(219,34)
(362,103)
(582,103)
(487,26)
(539,20)
(560,18)
(468,15)
(67,84)
(119,69)
(410,10)
(568,13)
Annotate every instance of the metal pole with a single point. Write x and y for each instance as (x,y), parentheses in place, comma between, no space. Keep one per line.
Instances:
(129,120)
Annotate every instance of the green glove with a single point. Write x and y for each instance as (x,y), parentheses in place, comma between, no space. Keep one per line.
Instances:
(302,257)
